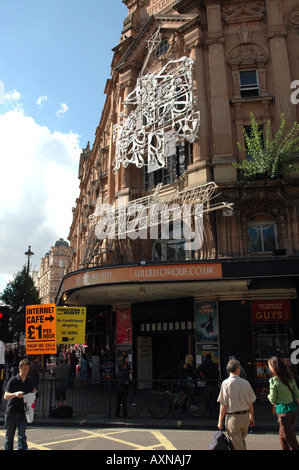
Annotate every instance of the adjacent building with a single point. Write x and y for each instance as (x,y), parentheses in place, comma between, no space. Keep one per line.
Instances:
(52,269)
(171,249)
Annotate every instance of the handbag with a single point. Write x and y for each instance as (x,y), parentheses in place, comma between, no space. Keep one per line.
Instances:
(295,402)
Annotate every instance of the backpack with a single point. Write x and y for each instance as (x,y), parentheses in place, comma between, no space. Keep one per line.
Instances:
(220,442)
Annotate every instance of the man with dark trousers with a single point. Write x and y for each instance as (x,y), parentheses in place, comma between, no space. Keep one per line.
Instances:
(15,417)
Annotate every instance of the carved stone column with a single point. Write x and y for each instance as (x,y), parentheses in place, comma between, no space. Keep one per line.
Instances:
(221,119)
(281,74)
(200,90)
(200,169)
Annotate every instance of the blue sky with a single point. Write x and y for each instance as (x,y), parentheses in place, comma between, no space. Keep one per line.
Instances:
(54,63)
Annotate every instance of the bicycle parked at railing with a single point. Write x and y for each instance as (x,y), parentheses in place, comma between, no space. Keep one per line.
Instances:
(160,405)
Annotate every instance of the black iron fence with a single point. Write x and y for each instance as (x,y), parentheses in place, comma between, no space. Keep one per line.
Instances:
(99,399)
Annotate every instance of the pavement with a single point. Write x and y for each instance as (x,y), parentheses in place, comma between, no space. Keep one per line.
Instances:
(262,424)
(140,418)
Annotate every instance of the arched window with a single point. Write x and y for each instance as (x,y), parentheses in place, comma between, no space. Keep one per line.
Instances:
(262,234)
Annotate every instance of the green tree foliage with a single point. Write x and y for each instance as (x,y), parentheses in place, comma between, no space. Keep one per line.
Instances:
(269,158)
(18,293)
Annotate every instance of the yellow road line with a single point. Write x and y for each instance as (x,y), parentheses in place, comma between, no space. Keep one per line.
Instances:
(163,442)
(30,444)
(114,439)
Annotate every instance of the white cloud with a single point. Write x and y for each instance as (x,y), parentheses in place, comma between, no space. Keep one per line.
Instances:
(2,92)
(40,100)
(62,110)
(38,189)
(12,100)
(12,96)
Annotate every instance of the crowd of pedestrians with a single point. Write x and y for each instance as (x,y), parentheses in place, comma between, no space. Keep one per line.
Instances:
(236,398)
(233,402)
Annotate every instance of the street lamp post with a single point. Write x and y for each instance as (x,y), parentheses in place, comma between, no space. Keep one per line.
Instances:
(28,253)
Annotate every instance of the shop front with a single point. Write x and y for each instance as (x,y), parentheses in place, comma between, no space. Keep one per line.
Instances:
(167,327)
(156,314)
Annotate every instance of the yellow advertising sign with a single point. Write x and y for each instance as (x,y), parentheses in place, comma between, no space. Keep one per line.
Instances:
(71,323)
(40,325)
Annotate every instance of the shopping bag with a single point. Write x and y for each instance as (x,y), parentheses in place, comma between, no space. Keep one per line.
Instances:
(63,412)
(29,406)
(220,442)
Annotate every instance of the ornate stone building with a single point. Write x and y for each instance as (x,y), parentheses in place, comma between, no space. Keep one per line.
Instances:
(52,269)
(186,76)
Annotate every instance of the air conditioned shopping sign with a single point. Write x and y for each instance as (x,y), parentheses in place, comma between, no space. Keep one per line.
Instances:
(48,325)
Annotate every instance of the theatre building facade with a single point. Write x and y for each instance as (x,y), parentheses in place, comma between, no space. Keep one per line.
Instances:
(173,251)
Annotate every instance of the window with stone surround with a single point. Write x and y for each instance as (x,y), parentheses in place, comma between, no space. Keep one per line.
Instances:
(248,68)
(249,86)
(262,234)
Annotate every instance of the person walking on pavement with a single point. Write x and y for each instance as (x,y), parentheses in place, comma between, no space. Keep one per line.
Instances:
(130,372)
(84,368)
(35,369)
(73,369)
(61,374)
(236,400)
(284,396)
(243,374)
(188,372)
(122,386)
(18,386)
(208,371)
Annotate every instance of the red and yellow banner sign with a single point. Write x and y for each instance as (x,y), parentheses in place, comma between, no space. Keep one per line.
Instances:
(40,326)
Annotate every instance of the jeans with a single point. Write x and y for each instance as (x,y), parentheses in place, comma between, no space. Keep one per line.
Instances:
(287,434)
(122,398)
(12,422)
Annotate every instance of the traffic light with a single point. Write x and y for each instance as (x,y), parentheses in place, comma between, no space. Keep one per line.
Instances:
(5,334)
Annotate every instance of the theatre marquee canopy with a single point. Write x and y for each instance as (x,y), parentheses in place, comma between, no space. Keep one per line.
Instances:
(207,280)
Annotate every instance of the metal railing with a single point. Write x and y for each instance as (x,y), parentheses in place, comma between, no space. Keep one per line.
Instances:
(99,399)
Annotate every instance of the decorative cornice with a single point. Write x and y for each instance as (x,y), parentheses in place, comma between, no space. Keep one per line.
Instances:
(244,14)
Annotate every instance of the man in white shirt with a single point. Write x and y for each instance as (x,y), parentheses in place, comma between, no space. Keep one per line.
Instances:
(236,400)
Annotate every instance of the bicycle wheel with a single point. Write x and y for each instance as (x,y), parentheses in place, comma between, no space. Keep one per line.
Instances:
(196,406)
(159,406)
